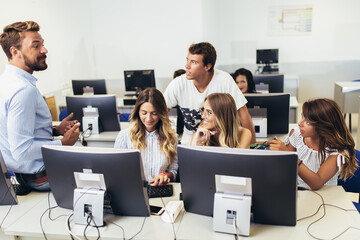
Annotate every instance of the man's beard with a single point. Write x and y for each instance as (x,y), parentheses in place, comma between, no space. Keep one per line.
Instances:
(35,65)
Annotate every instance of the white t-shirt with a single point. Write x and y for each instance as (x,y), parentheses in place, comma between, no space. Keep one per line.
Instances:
(183,92)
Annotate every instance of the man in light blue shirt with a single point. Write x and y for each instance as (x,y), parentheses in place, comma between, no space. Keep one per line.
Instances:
(25,119)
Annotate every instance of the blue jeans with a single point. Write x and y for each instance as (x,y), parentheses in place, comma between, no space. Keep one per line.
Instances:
(41,184)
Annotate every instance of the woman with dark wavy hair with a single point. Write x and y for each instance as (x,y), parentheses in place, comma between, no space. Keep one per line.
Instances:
(150,131)
(244,80)
(324,145)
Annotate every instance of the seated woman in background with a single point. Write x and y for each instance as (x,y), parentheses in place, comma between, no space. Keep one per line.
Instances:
(150,132)
(244,80)
(324,145)
(221,124)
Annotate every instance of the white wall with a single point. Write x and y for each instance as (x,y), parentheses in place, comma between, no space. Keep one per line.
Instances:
(100,39)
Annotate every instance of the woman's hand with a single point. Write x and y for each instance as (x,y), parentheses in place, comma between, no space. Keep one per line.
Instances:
(162,178)
(277,144)
(202,135)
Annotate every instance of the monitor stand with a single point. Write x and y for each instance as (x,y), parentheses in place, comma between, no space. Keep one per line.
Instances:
(270,69)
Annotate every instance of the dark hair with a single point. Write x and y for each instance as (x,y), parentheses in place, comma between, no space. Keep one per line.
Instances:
(249,78)
(178,72)
(207,51)
(329,123)
(13,35)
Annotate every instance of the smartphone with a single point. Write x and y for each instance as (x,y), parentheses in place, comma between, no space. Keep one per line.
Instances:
(155,210)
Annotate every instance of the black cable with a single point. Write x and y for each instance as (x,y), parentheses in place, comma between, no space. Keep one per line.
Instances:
(41,226)
(69,227)
(82,136)
(139,230)
(317,220)
(50,208)
(12,203)
(88,220)
(97,227)
(119,227)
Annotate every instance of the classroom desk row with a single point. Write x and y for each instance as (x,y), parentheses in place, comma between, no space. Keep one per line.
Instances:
(107,139)
(23,221)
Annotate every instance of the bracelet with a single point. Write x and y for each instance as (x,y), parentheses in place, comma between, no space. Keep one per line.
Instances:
(166,173)
(300,163)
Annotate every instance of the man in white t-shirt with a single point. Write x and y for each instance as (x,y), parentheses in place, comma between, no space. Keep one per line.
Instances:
(201,79)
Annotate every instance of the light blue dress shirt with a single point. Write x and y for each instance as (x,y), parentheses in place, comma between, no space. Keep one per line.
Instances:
(25,121)
(154,160)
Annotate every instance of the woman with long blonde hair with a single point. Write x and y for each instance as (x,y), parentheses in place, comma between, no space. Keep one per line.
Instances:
(324,145)
(150,131)
(221,124)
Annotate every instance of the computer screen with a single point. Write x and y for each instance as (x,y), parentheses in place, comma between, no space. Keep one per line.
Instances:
(138,80)
(277,106)
(7,194)
(273,175)
(267,56)
(274,82)
(98,86)
(122,170)
(106,104)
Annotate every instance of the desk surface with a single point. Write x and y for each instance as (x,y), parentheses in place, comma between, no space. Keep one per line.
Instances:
(348,86)
(187,225)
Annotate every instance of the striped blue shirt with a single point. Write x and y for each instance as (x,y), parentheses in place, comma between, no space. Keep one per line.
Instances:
(25,121)
(154,160)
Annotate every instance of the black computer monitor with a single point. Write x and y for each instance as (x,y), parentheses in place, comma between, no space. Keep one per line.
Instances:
(274,83)
(277,107)
(267,56)
(122,170)
(98,86)
(7,194)
(106,104)
(138,80)
(273,175)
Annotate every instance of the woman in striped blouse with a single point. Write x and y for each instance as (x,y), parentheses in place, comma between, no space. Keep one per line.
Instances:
(150,132)
(324,145)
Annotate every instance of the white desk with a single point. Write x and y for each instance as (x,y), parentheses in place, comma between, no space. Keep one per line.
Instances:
(293,110)
(188,225)
(346,94)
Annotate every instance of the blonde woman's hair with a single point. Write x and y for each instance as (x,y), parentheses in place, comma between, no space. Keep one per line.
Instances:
(326,117)
(163,128)
(227,121)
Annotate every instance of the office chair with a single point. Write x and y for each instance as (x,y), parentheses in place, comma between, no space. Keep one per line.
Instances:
(63,114)
(353,184)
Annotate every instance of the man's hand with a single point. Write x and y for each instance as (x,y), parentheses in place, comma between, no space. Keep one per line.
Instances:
(65,125)
(71,136)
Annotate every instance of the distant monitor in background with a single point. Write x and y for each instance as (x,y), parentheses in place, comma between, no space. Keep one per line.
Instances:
(268,57)
(106,104)
(122,170)
(7,194)
(277,105)
(98,86)
(138,80)
(273,175)
(275,83)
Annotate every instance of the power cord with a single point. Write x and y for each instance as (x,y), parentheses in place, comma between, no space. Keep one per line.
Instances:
(12,203)
(89,219)
(83,136)
(323,204)
(52,219)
